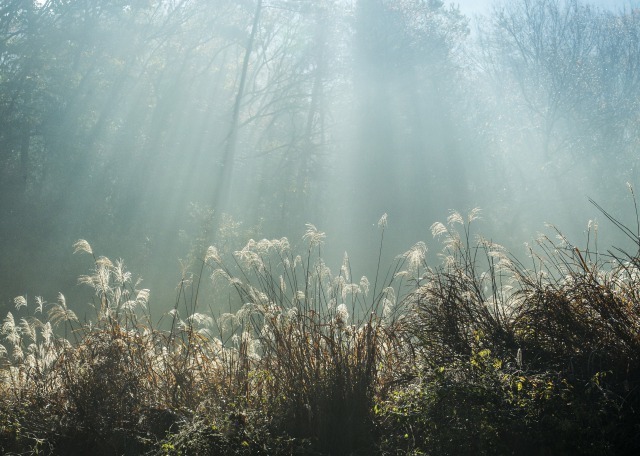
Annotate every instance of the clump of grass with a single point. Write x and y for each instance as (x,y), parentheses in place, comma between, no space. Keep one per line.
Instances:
(468,297)
(479,354)
(551,348)
(313,348)
(303,358)
(115,384)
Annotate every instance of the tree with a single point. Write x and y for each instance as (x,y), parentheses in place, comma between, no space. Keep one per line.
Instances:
(575,68)
(406,67)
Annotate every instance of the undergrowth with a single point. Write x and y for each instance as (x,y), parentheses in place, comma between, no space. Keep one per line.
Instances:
(475,353)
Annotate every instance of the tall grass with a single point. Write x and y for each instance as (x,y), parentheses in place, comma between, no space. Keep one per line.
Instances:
(314,348)
(546,350)
(475,352)
(307,349)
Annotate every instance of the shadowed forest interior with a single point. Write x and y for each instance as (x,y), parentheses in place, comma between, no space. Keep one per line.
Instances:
(143,126)
(233,153)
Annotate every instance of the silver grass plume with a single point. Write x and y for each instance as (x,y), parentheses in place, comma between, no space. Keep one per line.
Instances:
(298,297)
(455,217)
(352,288)
(143,297)
(19,301)
(82,246)
(199,319)
(342,316)
(27,329)
(212,255)
(474,214)
(60,312)
(120,274)
(364,285)
(40,303)
(344,270)
(313,236)
(388,302)
(382,222)
(228,321)
(415,256)
(47,333)
(438,229)
(9,330)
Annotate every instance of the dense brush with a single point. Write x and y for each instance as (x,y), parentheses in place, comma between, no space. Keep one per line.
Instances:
(477,354)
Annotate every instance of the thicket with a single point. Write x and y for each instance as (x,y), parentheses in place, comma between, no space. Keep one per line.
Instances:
(480,353)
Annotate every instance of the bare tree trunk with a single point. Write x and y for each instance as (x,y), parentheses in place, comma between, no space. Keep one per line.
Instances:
(24,157)
(314,117)
(225,170)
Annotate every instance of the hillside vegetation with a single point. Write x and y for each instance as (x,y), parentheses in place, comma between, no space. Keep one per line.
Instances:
(478,353)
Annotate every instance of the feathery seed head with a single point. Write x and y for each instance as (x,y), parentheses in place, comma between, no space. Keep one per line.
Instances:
(313,236)
(382,223)
(342,315)
(200,319)
(27,330)
(282,245)
(212,255)
(143,296)
(364,285)
(258,296)
(104,263)
(474,214)
(248,310)
(60,312)
(17,354)
(455,217)
(352,288)
(47,333)
(263,246)
(130,305)
(86,280)
(220,274)
(9,328)
(292,313)
(437,229)
(82,246)
(387,308)
(120,274)
(344,270)
(416,255)
(40,303)
(19,301)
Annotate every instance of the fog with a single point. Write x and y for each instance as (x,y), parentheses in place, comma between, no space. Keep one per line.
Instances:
(155,128)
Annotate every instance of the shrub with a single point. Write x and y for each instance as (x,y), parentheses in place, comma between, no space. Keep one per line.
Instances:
(565,332)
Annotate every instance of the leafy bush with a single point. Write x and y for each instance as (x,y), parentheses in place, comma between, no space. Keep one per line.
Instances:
(562,337)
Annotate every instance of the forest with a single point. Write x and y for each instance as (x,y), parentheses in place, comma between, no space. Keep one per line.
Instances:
(319,227)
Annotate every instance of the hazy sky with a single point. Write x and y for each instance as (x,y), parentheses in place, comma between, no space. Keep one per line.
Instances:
(471,7)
